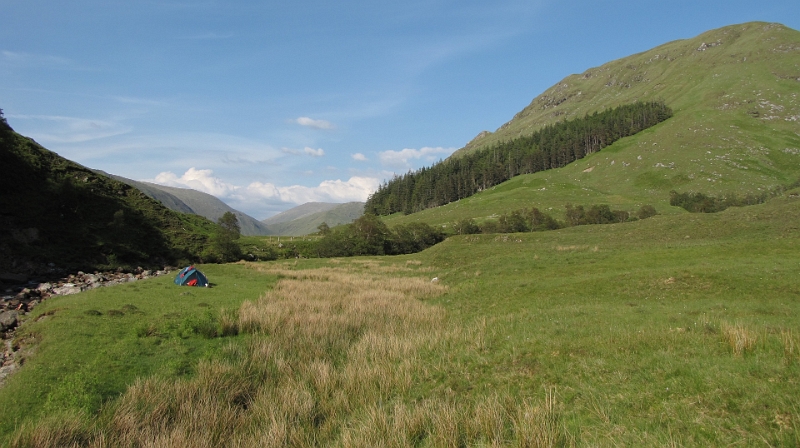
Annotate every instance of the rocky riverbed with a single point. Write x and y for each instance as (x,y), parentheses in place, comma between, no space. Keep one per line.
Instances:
(17,301)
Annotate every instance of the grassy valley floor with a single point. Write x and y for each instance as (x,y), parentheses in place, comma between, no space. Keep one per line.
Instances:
(680,330)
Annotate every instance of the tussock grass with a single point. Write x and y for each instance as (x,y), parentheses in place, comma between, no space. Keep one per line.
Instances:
(332,357)
(739,338)
(791,346)
(66,429)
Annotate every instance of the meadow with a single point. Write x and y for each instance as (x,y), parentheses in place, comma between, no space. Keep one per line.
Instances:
(677,330)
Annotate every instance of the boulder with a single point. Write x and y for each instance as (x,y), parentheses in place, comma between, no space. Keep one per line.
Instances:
(8,320)
(67,289)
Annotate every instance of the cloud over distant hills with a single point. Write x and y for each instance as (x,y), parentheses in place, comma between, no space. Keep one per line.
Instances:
(402,159)
(264,198)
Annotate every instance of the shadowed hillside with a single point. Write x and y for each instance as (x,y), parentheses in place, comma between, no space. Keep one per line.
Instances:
(186,200)
(58,213)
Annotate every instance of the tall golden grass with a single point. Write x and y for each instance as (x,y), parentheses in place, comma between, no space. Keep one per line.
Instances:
(332,356)
(739,338)
(791,346)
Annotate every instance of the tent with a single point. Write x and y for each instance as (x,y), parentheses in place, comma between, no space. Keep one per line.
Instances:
(190,276)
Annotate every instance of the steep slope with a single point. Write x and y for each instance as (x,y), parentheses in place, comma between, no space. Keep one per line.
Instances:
(304,219)
(741,71)
(186,200)
(735,129)
(54,211)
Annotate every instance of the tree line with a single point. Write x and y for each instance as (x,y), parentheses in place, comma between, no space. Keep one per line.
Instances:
(696,202)
(553,146)
(535,220)
(367,235)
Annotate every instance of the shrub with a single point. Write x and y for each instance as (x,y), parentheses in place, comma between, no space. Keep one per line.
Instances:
(646,211)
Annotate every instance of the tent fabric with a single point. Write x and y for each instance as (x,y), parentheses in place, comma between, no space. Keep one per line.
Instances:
(190,276)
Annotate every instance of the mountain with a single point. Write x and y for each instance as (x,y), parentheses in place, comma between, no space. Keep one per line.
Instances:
(299,212)
(740,71)
(186,200)
(57,213)
(304,219)
(734,94)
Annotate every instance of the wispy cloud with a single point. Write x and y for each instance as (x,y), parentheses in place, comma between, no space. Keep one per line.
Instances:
(314,152)
(319,152)
(59,129)
(316,124)
(30,60)
(139,101)
(403,158)
(358,156)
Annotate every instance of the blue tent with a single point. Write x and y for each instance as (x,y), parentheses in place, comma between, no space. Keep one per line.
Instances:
(190,276)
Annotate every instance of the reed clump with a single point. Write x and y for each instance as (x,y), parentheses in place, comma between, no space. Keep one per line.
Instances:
(739,338)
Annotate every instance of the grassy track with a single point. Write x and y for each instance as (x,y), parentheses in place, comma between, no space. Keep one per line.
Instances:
(675,330)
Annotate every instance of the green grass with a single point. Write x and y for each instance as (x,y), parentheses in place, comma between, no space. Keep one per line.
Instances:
(626,322)
(88,348)
(622,335)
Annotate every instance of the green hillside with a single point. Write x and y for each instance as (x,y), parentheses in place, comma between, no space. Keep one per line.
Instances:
(305,219)
(54,211)
(734,94)
(187,200)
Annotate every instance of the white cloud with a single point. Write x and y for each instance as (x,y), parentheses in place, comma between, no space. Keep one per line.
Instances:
(316,124)
(314,152)
(354,189)
(360,157)
(200,180)
(260,198)
(403,158)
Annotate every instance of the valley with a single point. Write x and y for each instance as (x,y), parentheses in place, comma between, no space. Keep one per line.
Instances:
(667,328)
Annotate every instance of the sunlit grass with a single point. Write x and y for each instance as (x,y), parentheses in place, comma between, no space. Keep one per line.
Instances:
(663,332)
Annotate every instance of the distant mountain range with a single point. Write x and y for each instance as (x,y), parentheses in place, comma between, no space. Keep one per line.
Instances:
(306,218)
(301,220)
(186,200)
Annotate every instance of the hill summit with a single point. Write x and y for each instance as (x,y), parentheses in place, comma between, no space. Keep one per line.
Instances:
(736,114)
(741,71)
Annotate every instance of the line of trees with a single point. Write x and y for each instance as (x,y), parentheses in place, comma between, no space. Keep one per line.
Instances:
(554,146)
(534,220)
(696,202)
(369,235)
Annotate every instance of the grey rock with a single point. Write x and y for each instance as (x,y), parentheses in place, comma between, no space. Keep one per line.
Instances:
(8,320)
(67,289)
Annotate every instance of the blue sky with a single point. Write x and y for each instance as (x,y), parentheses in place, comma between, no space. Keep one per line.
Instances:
(268,104)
